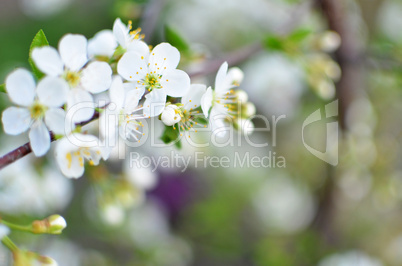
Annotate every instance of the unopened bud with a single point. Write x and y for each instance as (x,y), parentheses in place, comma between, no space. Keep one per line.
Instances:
(53,224)
(29,258)
(170,115)
(329,41)
(241,96)
(235,75)
(244,126)
(248,110)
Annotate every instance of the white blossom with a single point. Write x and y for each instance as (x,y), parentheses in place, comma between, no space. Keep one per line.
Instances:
(121,116)
(156,72)
(74,149)
(70,64)
(39,108)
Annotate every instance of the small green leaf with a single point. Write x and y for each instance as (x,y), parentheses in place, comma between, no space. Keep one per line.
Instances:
(274,43)
(3,88)
(175,39)
(171,135)
(299,35)
(38,41)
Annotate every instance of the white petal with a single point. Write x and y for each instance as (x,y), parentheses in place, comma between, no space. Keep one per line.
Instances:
(108,122)
(103,43)
(117,92)
(20,86)
(218,125)
(154,103)
(139,47)
(220,77)
(55,120)
(16,120)
(131,101)
(68,162)
(96,77)
(48,60)
(39,138)
(175,83)
(80,105)
(130,64)
(192,99)
(121,32)
(133,86)
(4,230)
(73,51)
(52,91)
(206,101)
(164,55)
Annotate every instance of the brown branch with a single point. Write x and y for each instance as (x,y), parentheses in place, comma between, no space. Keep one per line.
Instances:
(26,149)
(350,57)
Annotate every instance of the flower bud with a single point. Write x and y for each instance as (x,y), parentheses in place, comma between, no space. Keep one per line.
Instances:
(170,115)
(241,96)
(244,126)
(248,109)
(329,41)
(29,258)
(235,75)
(53,224)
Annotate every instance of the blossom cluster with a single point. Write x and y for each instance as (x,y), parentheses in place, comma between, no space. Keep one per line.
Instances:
(138,83)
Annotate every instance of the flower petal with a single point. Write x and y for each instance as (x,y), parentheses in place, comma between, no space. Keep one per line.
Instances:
(48,60)
(154,103)
(73,51)
(130,64)
(164,57)
(133,86)
(96,77)
(39,138)
(206,101)
(192,99)
(103,44)
(69,163)
(20,86)
(220,77)
(55,120)
(117,92)
(16,120)
(131,100)
(80,105)
(175,83)
(218,126)
(121,32)
(52,91)
(139,47)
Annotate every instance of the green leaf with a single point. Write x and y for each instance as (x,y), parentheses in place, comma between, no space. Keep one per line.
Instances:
(299,35)
(3,88)
(38,41)
(274,43)
(171,135)
(175,39)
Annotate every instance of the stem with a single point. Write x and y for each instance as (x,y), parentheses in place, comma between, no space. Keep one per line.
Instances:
(25,228)
(9,244)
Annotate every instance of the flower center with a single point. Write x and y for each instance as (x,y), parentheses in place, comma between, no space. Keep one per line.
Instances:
(73,78)
(152,82)
(37,111)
